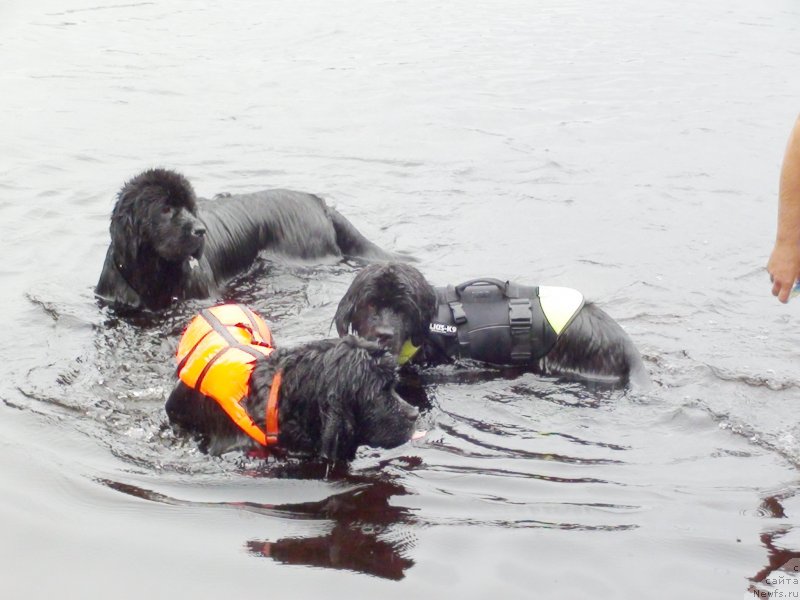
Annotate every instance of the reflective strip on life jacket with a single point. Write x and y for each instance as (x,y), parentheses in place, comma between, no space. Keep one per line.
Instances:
(216,357)
(560,305)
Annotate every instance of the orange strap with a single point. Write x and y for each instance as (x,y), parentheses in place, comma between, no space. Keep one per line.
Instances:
(272,410)
(239,415)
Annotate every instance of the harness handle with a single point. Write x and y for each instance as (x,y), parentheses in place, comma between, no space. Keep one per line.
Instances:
(502,285)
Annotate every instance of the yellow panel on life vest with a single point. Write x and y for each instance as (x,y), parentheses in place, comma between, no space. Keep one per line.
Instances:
(559,305)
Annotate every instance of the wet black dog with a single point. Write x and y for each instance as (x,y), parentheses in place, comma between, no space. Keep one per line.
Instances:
(547,330)
(333,396)
(167,245)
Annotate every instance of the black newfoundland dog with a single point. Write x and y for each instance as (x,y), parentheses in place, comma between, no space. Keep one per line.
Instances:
(548,330)
(166,244)
(322,399)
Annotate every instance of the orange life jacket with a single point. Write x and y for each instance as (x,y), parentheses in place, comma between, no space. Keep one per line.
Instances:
(216,357)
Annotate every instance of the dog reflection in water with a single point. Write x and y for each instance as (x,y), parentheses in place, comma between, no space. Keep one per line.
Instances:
(362,517)
(357,542)
(322,399)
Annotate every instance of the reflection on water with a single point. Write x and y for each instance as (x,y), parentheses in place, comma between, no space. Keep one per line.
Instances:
(362,521)
(342,548)
(781,559)
(357,540)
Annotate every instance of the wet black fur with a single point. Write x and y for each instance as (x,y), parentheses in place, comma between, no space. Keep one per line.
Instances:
(392,302)
(166,244)
(335,396)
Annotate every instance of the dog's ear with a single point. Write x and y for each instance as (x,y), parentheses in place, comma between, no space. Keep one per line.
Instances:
(344,312)
(360,290)
(425,312)
(337,431)
(125,228)
(422,303)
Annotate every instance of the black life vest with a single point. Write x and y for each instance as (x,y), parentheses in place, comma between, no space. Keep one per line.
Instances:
(500,322)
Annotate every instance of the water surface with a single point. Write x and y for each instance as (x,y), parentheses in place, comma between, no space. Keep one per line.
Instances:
(630,150)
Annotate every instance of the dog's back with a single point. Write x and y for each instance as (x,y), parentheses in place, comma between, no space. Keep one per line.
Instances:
(549,329)
(596,347)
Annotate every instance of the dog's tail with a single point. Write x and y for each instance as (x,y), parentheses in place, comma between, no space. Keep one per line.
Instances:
(594,346)
(353,244)
(638,377)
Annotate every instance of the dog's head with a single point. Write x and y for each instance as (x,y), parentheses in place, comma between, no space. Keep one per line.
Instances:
(156,211)
(338,395)
(389,303)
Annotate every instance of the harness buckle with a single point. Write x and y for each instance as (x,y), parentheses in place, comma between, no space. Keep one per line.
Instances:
(520,319)
(459,316)
(519,312)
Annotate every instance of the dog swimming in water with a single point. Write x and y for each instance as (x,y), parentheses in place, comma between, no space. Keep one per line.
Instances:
(322,399)
(166,244)
(548,330)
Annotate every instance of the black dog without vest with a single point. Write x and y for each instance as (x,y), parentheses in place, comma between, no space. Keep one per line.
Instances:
(167,245)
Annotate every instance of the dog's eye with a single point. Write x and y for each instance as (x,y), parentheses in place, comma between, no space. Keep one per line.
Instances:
(166,209)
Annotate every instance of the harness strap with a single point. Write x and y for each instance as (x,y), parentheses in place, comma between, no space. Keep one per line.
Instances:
(459,317)
(258,326)
(221,329)
(232,342)
(520,320)
(189,354)
(271,419)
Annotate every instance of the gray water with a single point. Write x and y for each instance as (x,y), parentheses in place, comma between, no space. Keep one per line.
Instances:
(627,149)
